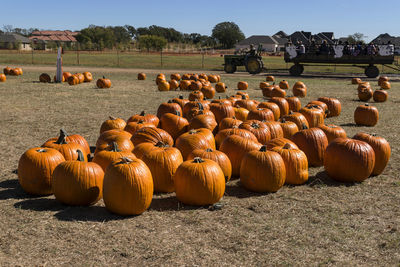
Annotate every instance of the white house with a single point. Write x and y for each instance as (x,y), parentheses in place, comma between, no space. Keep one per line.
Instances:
(269,44)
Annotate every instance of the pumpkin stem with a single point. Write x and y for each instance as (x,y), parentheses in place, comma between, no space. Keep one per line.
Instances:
(200,106)
(169,101)
(193,131)
(304,126)
(198,160)
(112,117)
(234,117)
(140,122)
(41,150)
(125,160)
(142,113)
(178,113)
(290,112)
(243,97)
(161,144)
(283,120)
(180,96)
(263,149)
(286,146)
(114,147)
(209,150)
(104,77)
(366,104)
(255,125)
(80,156)
(62,138)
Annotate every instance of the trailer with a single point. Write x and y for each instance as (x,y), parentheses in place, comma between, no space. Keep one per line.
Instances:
(385,57)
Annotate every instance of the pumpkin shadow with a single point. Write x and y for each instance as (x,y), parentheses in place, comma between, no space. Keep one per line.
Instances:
(171,203)
(350,124)
(235,189)
(40,204)
(88,214)
(12,190)
(322,179)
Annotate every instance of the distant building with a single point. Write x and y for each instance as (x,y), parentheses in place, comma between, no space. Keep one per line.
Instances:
(269,43)
(41,38)
(14,41)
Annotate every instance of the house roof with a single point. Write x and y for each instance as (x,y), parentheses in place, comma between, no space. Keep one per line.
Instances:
(280,40)
(281,34)
(13,37)
(258,39)
(56,38)
(385,38)
(67,32)
(304,37)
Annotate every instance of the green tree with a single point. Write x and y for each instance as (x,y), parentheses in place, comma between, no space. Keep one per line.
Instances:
(356,38)
(152,42)
(227,34)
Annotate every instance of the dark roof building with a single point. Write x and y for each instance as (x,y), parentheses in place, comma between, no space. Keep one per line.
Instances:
(385,38)
(13,38)
(258,39)
(281,34)
(300,36)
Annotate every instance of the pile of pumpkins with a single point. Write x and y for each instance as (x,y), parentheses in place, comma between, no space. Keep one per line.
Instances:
(365,92)
(193,146)
(77,78)
(10,71)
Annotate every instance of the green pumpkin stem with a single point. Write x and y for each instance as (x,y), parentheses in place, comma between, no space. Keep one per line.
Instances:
(209,150)
(283,120)
(178,113)
(304,126)
(286,146)
(198,160)
(180,96)
(125,160)
(263,149)
(62,138)
(142,113)
(80,156)
(114,147)
(161,144)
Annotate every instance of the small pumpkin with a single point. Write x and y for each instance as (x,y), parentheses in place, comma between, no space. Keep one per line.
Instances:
(284,84)
(282,103)
(242,85)
(66,75)
(168,107)
(220,87)
(143,116)
(196,95)
(184,84)
(299,89)
(151,135)
(73,80)
(7,70)
(270,78)
(163,85)
(74,138)
(195,85)
(294,103)
(3,77)
(289,128)
(380,95)
(221,135)
(208,91)
(280,142)
(273,107)
(264,85)
(334,106)
(203,121)
(366,115)
(365,94)
(349,160)
(262,171)
(297,118)
(382,79)
(141,76)
(173,84)
(229,123)
(355,81)
(112,123)
(174,124)
(68,149)
(275,129)
(213,78)
(385,85)
(88,77)
(222,110)
(180,100)
(103,83)
(314,115)
(128,187)
(35,169)
(104,157)
(132,127)
(259,129)
(332,131)
(175,76)
(278,92)
(44,78)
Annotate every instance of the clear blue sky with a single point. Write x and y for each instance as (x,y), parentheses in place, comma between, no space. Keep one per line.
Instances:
(253,17)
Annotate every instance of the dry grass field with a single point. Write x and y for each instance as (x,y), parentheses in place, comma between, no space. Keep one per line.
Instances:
(320,223)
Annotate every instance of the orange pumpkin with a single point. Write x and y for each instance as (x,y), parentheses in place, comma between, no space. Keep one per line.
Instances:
(87,77)
(3,77)
(242,85)
(141,76)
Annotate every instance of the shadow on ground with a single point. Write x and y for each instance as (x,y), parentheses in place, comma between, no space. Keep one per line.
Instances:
(10,189)
(322,179)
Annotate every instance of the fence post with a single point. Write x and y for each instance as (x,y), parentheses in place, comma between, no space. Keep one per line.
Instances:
(77,53)
(32,56)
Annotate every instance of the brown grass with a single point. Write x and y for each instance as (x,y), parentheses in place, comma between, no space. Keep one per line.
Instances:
(320,223)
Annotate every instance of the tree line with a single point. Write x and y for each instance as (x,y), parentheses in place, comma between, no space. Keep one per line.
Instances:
(224,35)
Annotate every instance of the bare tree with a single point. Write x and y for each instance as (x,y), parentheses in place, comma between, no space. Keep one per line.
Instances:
(8,28)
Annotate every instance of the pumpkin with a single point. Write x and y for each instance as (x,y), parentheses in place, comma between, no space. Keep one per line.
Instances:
(128,187)
(296,164)
(68,149)
(145,117)
(314,115)
(366,115)
(365,94)
(275,129)
(262,171)
(168,107)
(264,85)
(208,91)
(16,71)
(75,138)
(160,78)
(175,76)
(141,76)
(259,129)
(220,87)
(199,110)
(380,95)
(7,71)
(270,78)
(212,78)
(109,154)
(66,75)
(194,139)
(112,123)
(278,92)
(228,123)
(122,139)
(132,127)
(196,95)
(173,84)
(382,79)
(221,135)
(163,161)
(271,106)
(235,147)
(199,182)
(267,91)
(334,106)
(78,183)
(320,104)
(73,80)
(194,77)
(189,106)
(103,83)
(184,84)
(241,113)
(294,103)
(282,103)
(151,135)
(222,111)
(349,160)
(44,78)
(299,90)
(284,84)
(313,143)
(180,100)
(381,149)
(217,156)
(297,118)
(332,131)
(195,85)
(280,142)
(174,124)
(203,121)
(242,85)
(363,85)
(186,76)
(35,169)
(62,78)
(261,114)
(355,81)
(385,85)
(163,85)
(81,77)
(246,103)
(289,128)
(3,77)
(87,77)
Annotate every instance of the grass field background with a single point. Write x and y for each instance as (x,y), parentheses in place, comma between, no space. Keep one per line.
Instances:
(321,223)
(153,61)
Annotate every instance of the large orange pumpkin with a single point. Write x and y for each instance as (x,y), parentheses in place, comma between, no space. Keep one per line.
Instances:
(366,115)
(112,124)
(103,83)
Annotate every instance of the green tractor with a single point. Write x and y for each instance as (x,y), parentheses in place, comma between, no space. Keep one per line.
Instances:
(251,59)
